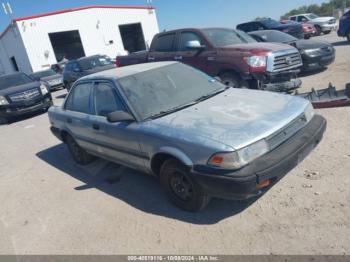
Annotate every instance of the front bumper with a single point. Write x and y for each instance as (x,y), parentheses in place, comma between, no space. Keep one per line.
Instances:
(328,27)
(312,63)
(14,110)
(242,184)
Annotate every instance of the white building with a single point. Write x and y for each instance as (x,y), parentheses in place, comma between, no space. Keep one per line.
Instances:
(34,43)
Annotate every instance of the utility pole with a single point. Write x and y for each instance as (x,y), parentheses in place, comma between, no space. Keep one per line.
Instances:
(8,10)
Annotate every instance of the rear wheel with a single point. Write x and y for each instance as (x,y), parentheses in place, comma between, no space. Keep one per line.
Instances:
(79,155)
(318,30)
(348,35)
(182,190)
(232,80)
(327,32)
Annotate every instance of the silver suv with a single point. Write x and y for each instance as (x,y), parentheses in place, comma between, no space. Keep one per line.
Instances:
(322,24)
(200,137)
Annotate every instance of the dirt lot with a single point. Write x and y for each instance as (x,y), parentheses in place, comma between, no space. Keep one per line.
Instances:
(51,206)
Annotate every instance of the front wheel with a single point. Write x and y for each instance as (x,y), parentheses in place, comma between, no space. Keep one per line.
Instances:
(182,190)
(318,30)
(348,35)
(232,80)
(79,155)
(327,32)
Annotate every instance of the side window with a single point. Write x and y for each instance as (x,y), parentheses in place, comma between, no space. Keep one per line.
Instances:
(106,99)
(79,98)
(186,37)
(301,18)
(244,27)
(293,18)
(165,43)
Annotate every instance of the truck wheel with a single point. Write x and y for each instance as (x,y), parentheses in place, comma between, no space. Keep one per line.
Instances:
(318,30)
(327,32)
(79,155)
(181,189)
(3,120)
(232,80)
(348,35)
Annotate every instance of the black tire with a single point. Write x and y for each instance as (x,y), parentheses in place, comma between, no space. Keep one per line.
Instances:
(181,189)
(232,80)
(318,30)
(3,121)
(348,35)
(79,155)
(327,32)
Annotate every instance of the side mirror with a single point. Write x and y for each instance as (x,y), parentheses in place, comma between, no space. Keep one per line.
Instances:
(194,44)
(119,116)
(77,70)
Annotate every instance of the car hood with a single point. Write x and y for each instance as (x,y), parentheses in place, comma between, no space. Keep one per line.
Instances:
(20,88)
(256,47)
(49,78)
(310,44)
(235,118)
(322,19)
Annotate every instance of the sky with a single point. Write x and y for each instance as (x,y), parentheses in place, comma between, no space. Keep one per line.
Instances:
(173,14)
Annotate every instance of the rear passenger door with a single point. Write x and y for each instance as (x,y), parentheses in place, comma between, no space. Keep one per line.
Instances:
(163,49)
(116,141)
(78,112)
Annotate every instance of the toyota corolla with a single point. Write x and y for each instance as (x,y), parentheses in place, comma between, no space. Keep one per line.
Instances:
(201,138)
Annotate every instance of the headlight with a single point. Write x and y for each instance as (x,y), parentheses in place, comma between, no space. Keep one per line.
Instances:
(239,158)
(3,101)
(315,51)
(309,112)
(43,89)
(256,61)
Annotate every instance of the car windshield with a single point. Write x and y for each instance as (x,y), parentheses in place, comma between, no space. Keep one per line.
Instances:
(45,73)
(275,36)
(167,89)
(96,61)
(311,16)
(270,23)
(221,37)
(14,80)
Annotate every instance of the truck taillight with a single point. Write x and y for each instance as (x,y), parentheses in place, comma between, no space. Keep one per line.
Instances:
(117,62)
(256,63)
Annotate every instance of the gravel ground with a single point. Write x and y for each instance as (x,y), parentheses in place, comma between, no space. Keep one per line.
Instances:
(51,206)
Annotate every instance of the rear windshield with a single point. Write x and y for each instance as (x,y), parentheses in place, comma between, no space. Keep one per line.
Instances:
(221,37)
(44,73)
(270,23)
(14,80)
(92,62)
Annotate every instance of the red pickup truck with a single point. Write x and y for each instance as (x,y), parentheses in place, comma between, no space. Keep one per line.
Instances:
(233,56)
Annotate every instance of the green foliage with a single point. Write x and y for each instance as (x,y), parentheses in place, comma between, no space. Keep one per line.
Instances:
(325,9)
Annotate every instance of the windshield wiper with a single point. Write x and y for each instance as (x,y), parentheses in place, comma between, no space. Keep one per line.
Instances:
(202,98)
(171,110)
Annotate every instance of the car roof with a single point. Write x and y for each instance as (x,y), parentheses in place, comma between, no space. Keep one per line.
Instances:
(261,32)
(12,74)
(124,71)
(50,69)
(83,58)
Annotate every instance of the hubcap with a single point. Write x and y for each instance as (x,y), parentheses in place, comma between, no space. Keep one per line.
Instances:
(181,186)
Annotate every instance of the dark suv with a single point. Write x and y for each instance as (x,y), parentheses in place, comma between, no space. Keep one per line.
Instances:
(20,94)
(75,69)
(294,29)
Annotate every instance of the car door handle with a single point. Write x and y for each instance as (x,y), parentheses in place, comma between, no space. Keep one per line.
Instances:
(179,57)
(151,58)
(96,126)
(69,120)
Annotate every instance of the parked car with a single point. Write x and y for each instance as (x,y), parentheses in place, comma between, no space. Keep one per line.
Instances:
(20,94)
(59,67)
(235,57)
(322,24)
(201,138)
(316,54)
(270,24)
(75,69)
(344,26)
(53,79)
(309,29)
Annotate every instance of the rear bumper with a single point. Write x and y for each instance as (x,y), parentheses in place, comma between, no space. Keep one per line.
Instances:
(242,184)
(18,110)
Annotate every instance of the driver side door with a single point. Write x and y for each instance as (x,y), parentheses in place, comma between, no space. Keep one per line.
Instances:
(119,141)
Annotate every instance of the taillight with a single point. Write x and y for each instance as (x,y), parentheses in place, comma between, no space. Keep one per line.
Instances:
(117,62)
